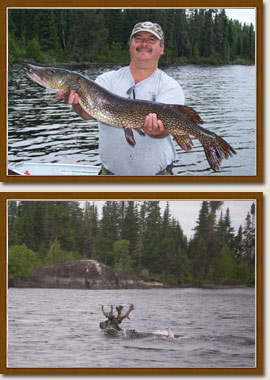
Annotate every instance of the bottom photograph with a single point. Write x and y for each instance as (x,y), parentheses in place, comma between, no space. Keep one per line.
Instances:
(132,283)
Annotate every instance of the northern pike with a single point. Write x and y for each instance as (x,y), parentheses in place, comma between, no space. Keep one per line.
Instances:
(179,120)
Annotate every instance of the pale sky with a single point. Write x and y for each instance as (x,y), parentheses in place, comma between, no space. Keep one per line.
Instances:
(243,15)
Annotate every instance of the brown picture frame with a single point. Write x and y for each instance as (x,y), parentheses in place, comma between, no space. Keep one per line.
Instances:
(256,196)
(258,177)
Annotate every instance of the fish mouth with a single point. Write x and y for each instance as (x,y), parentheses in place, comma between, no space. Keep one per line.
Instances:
(37,78)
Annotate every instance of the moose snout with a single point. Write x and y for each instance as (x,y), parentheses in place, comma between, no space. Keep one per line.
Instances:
(103,325)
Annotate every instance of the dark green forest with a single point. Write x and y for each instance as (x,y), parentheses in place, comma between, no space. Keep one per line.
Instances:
(135,237)
(102,35)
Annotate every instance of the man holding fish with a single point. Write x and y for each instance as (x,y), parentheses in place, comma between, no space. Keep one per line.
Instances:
(138,97)
(153,152)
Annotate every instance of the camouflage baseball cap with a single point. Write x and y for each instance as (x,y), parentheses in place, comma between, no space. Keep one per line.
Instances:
(149,27)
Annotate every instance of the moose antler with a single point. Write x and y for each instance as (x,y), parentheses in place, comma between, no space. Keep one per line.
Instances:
(108,315)
(121,317)
(119,310)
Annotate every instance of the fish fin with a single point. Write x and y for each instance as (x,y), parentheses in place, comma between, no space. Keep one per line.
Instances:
(190,112)
(129,136)
(184,142)
(217,150)
(140,132)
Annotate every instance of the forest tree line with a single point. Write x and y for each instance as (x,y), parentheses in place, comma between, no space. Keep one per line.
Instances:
(102,35)
(135,237)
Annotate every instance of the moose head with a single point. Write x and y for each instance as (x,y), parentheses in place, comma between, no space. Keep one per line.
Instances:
(113,321)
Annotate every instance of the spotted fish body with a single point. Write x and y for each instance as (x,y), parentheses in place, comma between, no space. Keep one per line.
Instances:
(180,121)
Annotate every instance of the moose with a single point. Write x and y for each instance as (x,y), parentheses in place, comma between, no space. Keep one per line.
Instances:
(111,325)
(113,321)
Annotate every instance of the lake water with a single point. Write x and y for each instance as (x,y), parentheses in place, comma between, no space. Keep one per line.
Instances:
(42,129)
(60,328)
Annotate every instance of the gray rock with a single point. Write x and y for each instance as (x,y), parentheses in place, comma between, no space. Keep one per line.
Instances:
(82,274)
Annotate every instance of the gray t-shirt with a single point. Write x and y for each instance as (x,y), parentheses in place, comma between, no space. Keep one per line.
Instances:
(150,155)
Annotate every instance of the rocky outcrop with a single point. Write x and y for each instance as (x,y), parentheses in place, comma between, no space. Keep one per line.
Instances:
(82,274)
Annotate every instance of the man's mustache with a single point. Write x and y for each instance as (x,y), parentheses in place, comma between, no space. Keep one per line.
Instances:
(149,50)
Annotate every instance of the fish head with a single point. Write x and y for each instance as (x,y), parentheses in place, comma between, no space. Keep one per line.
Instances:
(49,77)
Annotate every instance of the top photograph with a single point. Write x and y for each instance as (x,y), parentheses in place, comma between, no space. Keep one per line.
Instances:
(131,94)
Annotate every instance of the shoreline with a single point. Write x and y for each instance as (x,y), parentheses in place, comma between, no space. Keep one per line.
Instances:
(162,64)
(191,286)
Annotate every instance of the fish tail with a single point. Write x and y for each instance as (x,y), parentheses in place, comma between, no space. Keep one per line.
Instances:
(217,150)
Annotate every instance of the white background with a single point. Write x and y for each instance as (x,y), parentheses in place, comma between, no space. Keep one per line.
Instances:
(265,188)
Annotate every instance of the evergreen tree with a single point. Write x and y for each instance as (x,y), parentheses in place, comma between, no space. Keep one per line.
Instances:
(121,255)
(115,20)
(182,266)
(212,236)
(229,231)
(45,26)
(24,228)
(152,235)
(139,251)
(129,229)
(63,226)
(249,239)
(202,223)
(239,245)
(87,35)
(198,246)
(12,215)
(108,233)
(225,266)
(178,263)
(88,230)
(198,254)
(208,35)
(171,245)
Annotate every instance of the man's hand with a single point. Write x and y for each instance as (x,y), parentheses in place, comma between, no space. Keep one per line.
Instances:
(154,127)
(73,98)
